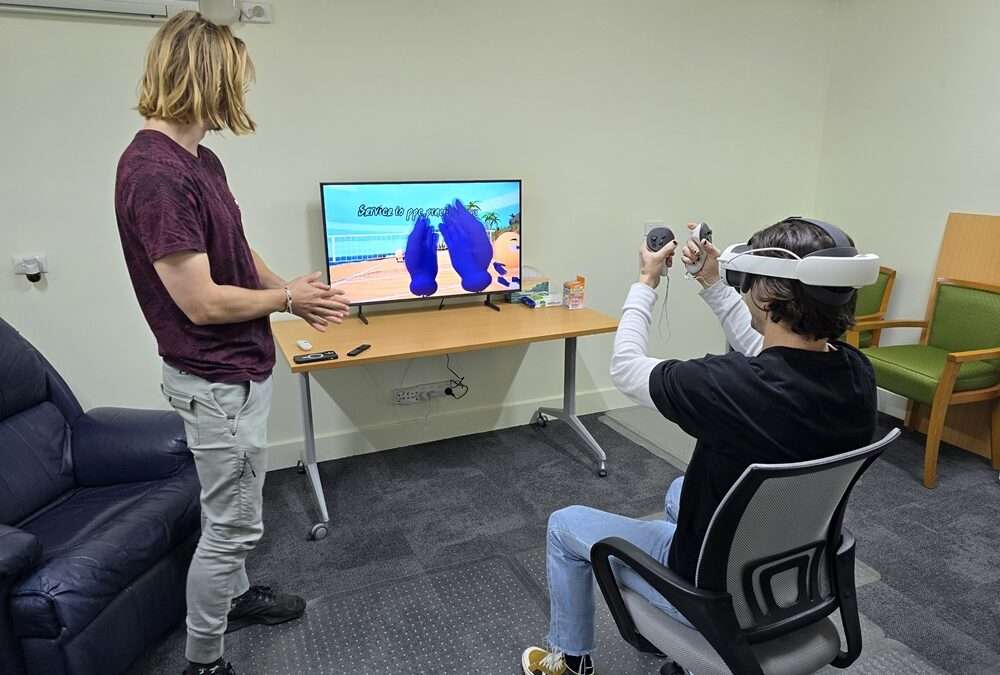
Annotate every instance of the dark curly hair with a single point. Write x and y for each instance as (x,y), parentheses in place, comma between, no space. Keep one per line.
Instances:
(785,300)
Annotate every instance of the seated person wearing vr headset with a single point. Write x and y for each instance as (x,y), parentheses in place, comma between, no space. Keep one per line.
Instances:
(789,392)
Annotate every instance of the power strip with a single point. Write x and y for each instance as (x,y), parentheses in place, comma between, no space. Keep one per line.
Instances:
(420,393)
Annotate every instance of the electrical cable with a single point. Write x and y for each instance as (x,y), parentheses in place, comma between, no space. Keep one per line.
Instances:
(457,384)
(663,312)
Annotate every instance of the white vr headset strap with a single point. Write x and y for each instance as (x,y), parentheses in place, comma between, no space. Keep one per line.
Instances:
(815,270)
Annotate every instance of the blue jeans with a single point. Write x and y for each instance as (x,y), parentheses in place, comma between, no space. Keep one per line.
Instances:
(572,532)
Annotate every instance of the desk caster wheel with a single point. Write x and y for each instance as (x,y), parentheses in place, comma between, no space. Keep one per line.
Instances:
(541,422)
(318,531)
(603,471)
(300,467)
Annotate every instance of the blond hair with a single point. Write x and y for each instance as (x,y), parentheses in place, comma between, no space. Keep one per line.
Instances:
(197,72)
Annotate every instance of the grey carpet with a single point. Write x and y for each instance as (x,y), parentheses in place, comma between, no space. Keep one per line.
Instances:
(483,609)
(451,518)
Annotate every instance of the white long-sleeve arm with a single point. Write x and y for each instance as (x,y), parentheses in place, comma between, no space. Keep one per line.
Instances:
(630,367)
(734,316)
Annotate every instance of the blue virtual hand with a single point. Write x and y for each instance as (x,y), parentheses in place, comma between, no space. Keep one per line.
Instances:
(468,245)
(421,257)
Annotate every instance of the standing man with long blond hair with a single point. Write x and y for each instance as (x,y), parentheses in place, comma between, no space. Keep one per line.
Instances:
(207,296)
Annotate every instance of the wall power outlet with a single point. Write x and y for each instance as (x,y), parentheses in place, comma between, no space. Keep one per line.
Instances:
(419,393)
(255,12)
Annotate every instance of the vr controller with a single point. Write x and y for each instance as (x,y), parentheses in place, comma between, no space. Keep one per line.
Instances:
(658,236)
(701,233)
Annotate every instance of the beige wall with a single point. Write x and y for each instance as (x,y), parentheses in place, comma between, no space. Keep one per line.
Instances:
(612,113)
(911,133)
(912,130)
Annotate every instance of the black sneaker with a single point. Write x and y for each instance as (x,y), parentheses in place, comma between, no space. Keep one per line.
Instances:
(262,605)
(220,667)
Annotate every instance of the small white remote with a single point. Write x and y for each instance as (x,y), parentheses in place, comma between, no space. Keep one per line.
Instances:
(304,345)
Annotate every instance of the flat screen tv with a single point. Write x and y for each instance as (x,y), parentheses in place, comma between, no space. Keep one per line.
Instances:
(391,241)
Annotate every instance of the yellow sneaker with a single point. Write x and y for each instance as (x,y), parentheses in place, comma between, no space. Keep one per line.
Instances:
(538,661)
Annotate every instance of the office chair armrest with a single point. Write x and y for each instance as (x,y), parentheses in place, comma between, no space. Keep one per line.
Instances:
(710,612)
(123,445)
(847,596)
(20,551)
(975,355)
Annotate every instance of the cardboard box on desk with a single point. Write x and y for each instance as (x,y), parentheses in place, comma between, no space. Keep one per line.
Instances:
(573,293)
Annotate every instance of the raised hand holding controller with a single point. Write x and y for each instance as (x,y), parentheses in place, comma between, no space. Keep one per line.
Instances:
(700,233)
(656,255)
(701,257)
(658,237)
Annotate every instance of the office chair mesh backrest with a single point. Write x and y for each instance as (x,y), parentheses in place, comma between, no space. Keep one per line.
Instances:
(965,319)
(772,542)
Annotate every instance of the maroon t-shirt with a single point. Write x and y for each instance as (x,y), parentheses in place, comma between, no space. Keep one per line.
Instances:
(167,201)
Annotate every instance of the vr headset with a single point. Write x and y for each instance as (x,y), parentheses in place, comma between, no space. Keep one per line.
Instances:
(829,275)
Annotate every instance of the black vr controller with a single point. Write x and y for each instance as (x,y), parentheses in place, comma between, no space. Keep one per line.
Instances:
(657,238)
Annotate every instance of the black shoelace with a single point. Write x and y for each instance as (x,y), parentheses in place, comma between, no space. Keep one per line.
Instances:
(263,593)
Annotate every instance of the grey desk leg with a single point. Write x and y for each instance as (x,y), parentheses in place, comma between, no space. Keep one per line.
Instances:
(568,412)
(319,530)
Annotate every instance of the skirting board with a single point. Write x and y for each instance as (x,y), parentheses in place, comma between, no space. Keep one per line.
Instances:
(891,404)
(378,437)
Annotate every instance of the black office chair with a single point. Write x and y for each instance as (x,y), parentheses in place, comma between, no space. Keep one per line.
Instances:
(774,565)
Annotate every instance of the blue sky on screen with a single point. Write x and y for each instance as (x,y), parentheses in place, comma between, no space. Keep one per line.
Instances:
(343,202)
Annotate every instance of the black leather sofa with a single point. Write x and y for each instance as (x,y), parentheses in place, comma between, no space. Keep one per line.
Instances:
(99,517)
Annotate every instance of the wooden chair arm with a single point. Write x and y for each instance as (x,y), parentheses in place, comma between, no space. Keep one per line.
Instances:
(853,336)
(869,317)
(975,355)
(879,325)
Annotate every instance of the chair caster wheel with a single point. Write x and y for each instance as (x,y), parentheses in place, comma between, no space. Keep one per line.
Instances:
(541,422)
(300,467)
(318,531)
(602,472)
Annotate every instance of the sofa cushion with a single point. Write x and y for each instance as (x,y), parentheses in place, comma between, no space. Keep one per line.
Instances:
(96,541)
(913,371)
(35,461)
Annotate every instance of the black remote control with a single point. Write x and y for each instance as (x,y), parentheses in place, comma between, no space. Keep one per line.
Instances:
(315,356)
(357,350)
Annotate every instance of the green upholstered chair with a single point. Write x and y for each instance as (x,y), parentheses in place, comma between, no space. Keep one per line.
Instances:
(957,360)
(873,302)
